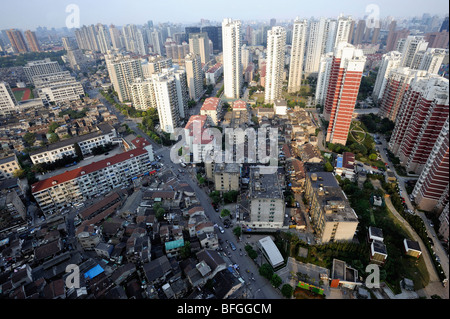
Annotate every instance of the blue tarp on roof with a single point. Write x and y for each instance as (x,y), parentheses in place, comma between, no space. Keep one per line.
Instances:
(93,272)
(339,162)
(174,244)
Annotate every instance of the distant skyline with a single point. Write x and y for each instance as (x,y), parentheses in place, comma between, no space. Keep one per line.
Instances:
(30,14)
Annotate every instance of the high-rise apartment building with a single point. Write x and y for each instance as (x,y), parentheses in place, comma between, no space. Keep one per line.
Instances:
(359,32)
(194,75)
(143,94)
(189,30)
(431,59)
(343,85)
(397,83)
(215,35)
(314,47)
(170,89)
(155,64)
(390,60)
(322,78)
(75,56)
(323,37)
(33,43)
(115,36)
(86,37)
(123,70)
(103,38)
(343,31)
(199,44)
(297,55)
(246,57)
(276,44)
(8,103)
(421,116)
(232,65)
(157,42)
(410,46)
(17,41)
(431,191)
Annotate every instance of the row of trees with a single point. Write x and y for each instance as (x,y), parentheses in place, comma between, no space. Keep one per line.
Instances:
(227,197)
(375,124)
(23,58)
(267,272)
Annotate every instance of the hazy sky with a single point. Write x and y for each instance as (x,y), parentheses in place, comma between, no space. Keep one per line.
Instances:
(29,14)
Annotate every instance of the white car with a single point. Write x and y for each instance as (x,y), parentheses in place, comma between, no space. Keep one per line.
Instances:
(221,229)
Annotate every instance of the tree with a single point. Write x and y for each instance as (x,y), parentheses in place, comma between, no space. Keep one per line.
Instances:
(215,197)
(185,251)
(225,213)
(160,213)
(53,138)
(287,291)
(266,271)
(276,280)
(78,151)
(237,231)
(230,197)
(29,138)
(328,167)
(373,157)
(52,127)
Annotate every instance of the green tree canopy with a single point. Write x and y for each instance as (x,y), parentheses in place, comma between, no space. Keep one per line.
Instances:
(328,167)
(287,291)
(237,231)
(276,280)
(225,213)
(29,138)
(266,271)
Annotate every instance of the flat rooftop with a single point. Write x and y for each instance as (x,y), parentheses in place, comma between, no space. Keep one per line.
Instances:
(230,168)
(264,185)
(331,197)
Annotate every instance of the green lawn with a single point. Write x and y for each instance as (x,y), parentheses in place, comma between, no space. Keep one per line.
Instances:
(19,94)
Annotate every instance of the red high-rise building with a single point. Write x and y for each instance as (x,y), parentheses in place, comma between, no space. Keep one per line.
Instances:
(33,43)
(422,114)
(344,77)
(17,40)
(397,83)
(432,188)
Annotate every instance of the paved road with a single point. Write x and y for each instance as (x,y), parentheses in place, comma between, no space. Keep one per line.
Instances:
(438,248)
(259,288)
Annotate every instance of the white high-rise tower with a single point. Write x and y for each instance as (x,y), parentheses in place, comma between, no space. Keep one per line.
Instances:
(276,44)
(297,54)
(232,67)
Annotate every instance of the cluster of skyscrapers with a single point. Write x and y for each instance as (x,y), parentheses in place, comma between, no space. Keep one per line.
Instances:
(410,93)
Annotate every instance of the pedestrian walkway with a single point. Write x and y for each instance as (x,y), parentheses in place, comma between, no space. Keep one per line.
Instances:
(432,288)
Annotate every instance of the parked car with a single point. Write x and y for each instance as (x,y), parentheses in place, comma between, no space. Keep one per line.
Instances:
(221,229)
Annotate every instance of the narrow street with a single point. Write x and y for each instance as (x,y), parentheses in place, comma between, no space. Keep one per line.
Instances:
(260,288)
